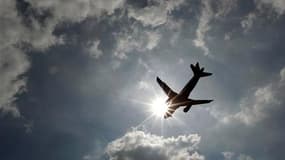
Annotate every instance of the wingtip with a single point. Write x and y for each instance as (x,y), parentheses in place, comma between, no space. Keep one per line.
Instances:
(205,74)
(158,79)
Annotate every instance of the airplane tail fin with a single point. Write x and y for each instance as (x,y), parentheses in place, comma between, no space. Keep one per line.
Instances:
(199,71)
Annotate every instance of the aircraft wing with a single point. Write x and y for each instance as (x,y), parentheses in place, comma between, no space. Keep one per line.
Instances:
(167,90)
(196,102)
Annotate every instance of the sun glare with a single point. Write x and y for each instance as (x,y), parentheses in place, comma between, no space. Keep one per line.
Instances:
(158,107)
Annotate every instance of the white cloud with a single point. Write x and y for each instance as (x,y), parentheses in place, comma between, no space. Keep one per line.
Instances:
(207,15)
(77,10)
(156,14)
(13,33)
(13,63)
(29,127)
(245,157)
(175,27)
(153,16)
(115,64)
(227,36)
(225,7)
(143,85)
(268,9)
(139,145)
(282,75)
(261,104)
(94,50)
(277,5)
(203,26)
(153,39)
(135,40)
(231,156)
(228,155)
(248,21)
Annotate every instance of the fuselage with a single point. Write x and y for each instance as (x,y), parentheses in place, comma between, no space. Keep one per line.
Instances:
(181,99)
(175,100)
(178,101)
(174,103)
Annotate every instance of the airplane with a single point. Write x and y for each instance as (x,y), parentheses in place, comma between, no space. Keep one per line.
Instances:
(181,99)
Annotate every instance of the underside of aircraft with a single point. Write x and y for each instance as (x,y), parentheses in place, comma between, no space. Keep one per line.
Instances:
(176,100)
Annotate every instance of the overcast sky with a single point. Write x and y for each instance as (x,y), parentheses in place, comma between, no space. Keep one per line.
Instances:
(76,77)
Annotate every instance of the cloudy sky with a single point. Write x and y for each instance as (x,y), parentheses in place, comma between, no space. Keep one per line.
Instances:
(77,77)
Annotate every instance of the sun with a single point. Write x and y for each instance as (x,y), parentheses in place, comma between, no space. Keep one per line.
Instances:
(158,107)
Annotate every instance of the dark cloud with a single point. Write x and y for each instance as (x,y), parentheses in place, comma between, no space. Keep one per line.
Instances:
(32,23)
(78,74)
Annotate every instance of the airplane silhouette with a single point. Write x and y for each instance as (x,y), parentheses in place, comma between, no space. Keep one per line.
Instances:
(175,100)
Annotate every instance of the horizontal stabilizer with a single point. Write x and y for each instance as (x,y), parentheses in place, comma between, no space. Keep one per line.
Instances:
(196,102)
(199,72)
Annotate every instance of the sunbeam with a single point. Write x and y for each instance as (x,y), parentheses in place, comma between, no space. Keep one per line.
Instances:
(158,107)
